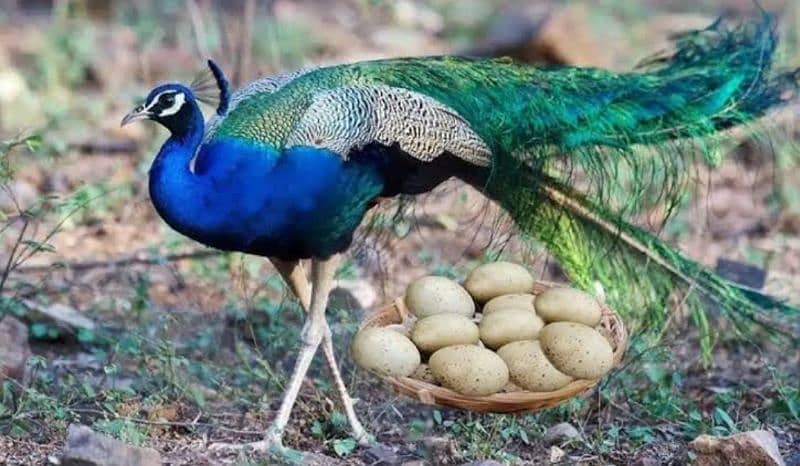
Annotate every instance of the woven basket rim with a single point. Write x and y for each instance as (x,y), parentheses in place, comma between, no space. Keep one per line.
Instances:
(611,325)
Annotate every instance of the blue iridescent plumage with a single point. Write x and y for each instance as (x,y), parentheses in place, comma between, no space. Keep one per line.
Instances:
(245,197)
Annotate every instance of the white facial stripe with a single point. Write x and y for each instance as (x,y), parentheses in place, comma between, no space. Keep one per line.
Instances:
(155,100)
(180,99)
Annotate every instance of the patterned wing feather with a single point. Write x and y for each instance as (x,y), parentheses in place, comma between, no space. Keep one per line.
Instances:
(348,118)
(265,85)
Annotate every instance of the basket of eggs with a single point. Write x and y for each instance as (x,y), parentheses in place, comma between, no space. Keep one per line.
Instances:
(503,342)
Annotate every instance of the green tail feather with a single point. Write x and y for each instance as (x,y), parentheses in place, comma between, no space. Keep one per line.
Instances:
(577,153)
(717,78)
(642,277)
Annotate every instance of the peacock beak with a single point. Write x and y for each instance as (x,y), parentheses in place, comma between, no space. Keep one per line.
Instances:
(138,113)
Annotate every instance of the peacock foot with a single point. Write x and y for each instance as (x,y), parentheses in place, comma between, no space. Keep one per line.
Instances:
(360,435)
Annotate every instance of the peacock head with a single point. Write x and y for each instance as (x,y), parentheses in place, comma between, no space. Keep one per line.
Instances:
(175,106)
(171,105)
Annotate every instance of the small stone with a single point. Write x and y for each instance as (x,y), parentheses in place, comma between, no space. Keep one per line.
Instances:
(561,433)
(556,454)
(14,349)
(754,448)
(86,447)
(441,450)
(566,37)
(383,455)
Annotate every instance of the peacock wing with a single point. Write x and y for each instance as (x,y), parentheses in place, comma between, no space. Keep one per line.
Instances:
(264,85)
(345,119)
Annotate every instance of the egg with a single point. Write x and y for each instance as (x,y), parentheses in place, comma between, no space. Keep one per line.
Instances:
(424,374)
(506,325)
(496,279)
(529,368)
(431,295)
(385,352)
(560,304)
(577,349)
(517,301)
(440,330)
(469,370)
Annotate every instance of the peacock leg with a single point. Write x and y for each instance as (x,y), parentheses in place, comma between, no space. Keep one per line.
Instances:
(322,273)
(295,276)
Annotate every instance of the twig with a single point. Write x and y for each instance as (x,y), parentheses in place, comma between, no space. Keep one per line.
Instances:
(10,265)
(88,265)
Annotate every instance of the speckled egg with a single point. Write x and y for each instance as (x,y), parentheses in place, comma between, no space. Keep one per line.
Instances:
(576,349)
(440,330)
(568,305)
(496,279)
(385,352)
(529,368)
(469,370)
(431,295)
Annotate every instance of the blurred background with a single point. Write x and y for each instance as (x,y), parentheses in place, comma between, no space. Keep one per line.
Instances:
(147,336)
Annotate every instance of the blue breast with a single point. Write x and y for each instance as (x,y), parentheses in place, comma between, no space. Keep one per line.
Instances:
(303,202)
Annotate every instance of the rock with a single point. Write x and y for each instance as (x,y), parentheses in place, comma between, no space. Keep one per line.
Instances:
(483,463)
(355,294)
(441,450)
(754,448)
(566,37)
(561,433)
(383,455)
(14,349)
(655,34)
(556,454)
(510,35)
(86,447)
(748,275)
(418,16)
(60,315)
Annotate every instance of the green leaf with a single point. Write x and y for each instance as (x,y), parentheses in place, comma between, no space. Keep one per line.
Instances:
(437,416)
(344,447)
(39,330)
(338,419)
(85,335)
(316,429)
(33,143)
(722,417)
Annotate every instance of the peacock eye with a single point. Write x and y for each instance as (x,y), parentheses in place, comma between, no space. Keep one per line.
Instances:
(168,99)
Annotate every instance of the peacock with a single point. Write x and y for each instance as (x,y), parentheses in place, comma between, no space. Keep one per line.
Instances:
(289,165)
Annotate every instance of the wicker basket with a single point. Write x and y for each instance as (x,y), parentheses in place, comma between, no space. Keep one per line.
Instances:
(515,402)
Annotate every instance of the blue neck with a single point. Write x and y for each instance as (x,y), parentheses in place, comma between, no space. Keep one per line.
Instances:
(173,187)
